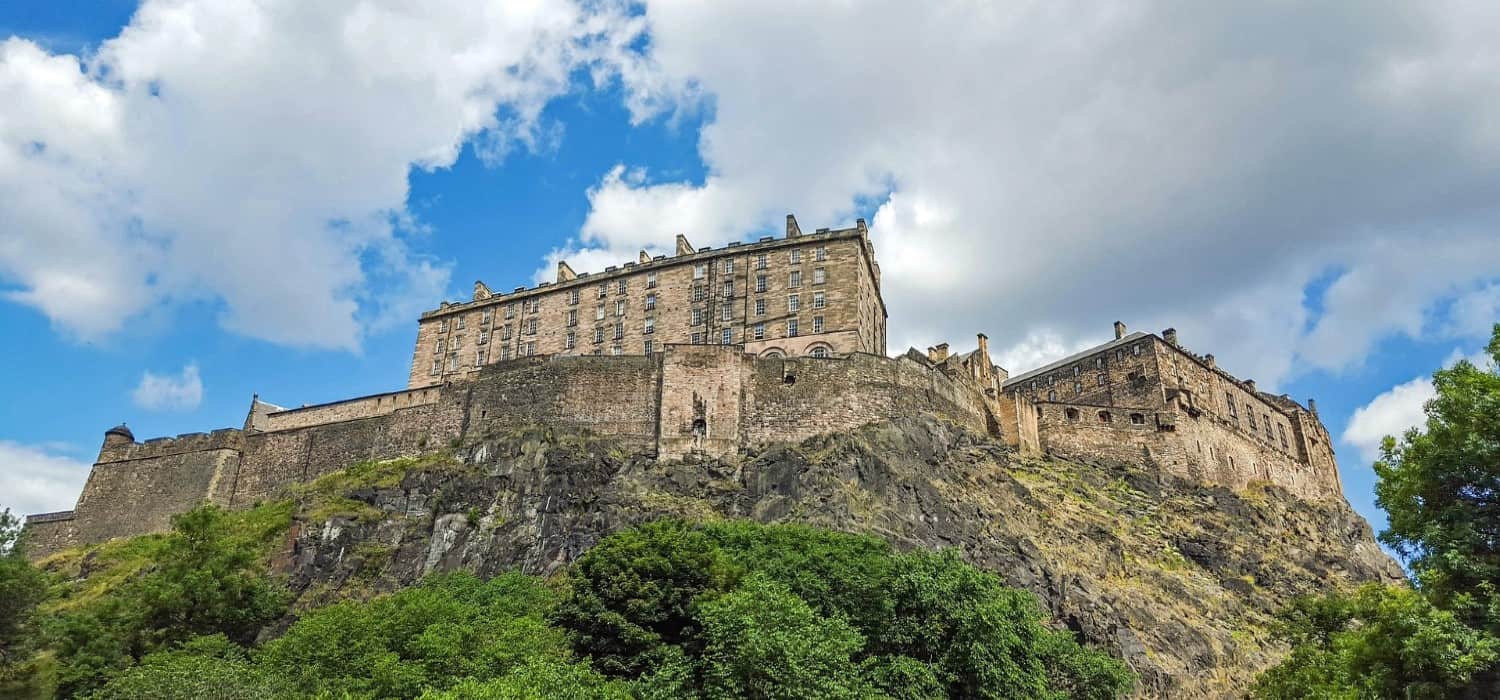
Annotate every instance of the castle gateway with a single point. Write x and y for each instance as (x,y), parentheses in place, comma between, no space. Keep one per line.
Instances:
(702,355)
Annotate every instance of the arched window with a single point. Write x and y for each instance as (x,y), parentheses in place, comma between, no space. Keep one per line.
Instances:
(821,351)
(1104,417)
(773,352)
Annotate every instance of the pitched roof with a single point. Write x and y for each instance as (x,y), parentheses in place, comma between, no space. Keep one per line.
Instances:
(1074,358)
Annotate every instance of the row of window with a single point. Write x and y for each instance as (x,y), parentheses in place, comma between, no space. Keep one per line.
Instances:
(1265,420)
(1104,416)
(570,339)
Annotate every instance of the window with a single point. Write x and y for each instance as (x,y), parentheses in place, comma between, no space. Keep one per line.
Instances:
(479,359)
(619,331)
(599,312)
(1250,416)
(729,266)
(440,347)
(726,336)
(699,293)
(1135,349)
(484,337)
(726,313)
(510,310)
(819,300)
(820,254)
(535,305)
(572,317)
(458,340)
(437,366)
(793,303)
(1099,363)
(651,301)
(602,290)
(1071,413)
(619,307)
(598,334)
(795,257)
(570,340)
(650,280)
(505,332)
(1138,419)
(697,338)
(443,326)
(1229,401)
(573,296)
(760,283)
(1104,417)
(617,351)
(820,351)
(819,276)
(1077,386)
(649,327)
(791,328)
(622,286)
(817,324)
(700,271)
(505,353)
(760,261)
(1102,379)
(460,323)
(697,317)
(530,348)
(1119,355)
(760,331)
(1281,430)
(1052,395)
(453,362)
(1266,420)
(486,317)
(728,289)
(530,326)
(794,280)
(650,347)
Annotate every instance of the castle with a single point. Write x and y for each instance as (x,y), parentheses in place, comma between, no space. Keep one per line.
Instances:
(701,355)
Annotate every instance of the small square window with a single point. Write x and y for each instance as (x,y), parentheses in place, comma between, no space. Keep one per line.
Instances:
(819,276)
(617,351)
(697,338)
(700,271)
(726,336)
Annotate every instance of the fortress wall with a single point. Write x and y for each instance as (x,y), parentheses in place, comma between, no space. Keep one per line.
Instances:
(1198,449)
(222,439)
(133,496)
(597,395)
(704,394)
(827,395)
(352,409)
(49,532)
(1018,421)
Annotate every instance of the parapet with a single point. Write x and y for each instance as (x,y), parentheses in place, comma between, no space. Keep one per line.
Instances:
(221,439)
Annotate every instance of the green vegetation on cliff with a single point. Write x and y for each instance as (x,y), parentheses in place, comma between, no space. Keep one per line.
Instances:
(664,610)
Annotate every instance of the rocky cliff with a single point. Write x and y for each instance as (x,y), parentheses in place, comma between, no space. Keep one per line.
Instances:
(1179,580)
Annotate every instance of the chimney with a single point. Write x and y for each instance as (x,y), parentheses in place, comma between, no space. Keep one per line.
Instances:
(1312,405)
(792,229)
(1209,360)
(1170,335)
(644,258)
(683,247)
(1119,330)
(984,347)
(565,272)
(481,291)
(938,353)
(860,224)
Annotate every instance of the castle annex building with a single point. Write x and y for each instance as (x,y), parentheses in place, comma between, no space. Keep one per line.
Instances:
(702,355)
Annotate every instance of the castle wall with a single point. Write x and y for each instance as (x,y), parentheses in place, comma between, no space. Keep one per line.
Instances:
(50,532)
(703,393)
(352,409)
(141,492)
(1017,416)
(605,396)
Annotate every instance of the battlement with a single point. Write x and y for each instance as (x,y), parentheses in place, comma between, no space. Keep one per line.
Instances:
(221,439)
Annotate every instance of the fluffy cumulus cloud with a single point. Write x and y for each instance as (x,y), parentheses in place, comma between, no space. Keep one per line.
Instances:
(1042,169)
(164,392)
(1396,410)
(255,154)
(38,479)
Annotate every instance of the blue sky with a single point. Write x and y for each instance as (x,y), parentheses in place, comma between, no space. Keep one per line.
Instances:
(200,201)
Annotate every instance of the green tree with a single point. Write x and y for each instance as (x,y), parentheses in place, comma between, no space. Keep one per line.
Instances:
(539,679)
(1441,488)
(428,636)
(22,586)
(762,641)
(203,667)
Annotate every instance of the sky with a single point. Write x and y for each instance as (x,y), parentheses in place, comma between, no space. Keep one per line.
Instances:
(201,200)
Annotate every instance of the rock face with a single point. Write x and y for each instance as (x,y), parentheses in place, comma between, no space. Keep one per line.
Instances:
(1179,580)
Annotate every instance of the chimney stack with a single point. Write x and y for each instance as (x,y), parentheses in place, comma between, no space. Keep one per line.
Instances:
(1250,385)
(1119,330)
(565,272)
(644,258)
(1312,405)
(938,353)
(984,346)
(1209,360)
(683,247)
(792,229)
(1170,335)
(481,291)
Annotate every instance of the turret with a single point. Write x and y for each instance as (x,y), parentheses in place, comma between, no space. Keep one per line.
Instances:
(118,436)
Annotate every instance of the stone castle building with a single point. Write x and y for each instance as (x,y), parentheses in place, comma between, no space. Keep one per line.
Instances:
(812,294)
(702,355)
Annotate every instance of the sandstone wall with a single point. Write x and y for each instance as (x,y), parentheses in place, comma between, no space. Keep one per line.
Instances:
(140,494)
(351,409)
(50,532)
(606,396)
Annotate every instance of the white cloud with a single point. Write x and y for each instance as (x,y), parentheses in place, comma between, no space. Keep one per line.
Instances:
(36,479)
(256,153)
(1042,169)
(159,392)
(1397,409)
